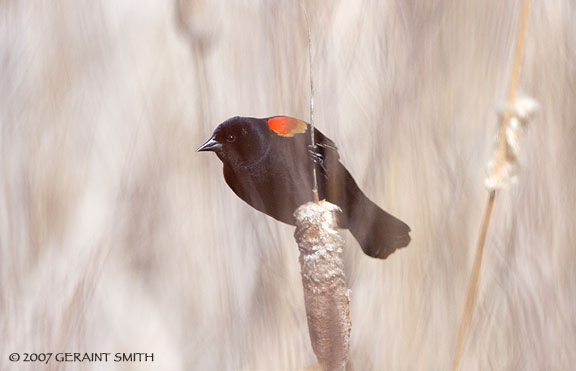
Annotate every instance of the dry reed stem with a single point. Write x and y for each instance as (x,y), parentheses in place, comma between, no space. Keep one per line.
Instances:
(312,139)
(473,289)
(326,297)
(500,166)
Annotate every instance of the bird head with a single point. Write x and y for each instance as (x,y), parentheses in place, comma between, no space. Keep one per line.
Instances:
(239,141)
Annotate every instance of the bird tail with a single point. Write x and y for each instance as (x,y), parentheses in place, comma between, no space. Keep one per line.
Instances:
(378,233)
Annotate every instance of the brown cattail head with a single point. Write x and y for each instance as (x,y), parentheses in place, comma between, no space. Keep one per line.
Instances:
(326,296)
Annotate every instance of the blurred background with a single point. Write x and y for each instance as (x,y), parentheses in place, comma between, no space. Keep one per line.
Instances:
(115,236)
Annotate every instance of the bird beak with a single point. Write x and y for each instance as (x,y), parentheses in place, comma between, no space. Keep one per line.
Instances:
(211,145)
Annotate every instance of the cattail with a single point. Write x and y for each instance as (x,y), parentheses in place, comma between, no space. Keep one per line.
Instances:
(326,297)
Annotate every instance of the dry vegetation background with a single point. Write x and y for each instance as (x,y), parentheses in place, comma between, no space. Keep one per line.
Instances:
(115,236)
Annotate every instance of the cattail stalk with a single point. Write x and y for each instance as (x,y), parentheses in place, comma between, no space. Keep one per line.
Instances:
(312,139)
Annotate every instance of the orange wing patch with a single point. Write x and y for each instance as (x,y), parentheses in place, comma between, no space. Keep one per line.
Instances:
(286,126)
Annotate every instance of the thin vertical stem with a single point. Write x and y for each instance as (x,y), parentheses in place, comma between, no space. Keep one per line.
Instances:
(312,139)
(502,155)
(472,291)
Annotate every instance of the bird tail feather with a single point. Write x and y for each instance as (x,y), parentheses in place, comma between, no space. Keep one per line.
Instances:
(378,233)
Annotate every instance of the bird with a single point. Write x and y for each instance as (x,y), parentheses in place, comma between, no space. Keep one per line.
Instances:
(268,163)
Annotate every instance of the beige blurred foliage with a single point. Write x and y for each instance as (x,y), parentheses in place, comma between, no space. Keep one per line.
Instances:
(115,236)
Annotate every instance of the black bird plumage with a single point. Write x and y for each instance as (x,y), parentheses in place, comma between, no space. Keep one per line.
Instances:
(268,163)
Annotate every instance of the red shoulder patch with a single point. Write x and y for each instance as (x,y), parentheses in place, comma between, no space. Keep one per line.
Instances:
(286,126)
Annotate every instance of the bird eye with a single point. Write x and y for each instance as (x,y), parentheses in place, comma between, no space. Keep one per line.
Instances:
(231,138)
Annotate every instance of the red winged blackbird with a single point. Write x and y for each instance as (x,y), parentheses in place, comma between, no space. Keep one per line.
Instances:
(268,163)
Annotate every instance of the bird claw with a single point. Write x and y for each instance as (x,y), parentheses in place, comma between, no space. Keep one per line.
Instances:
(316,156)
